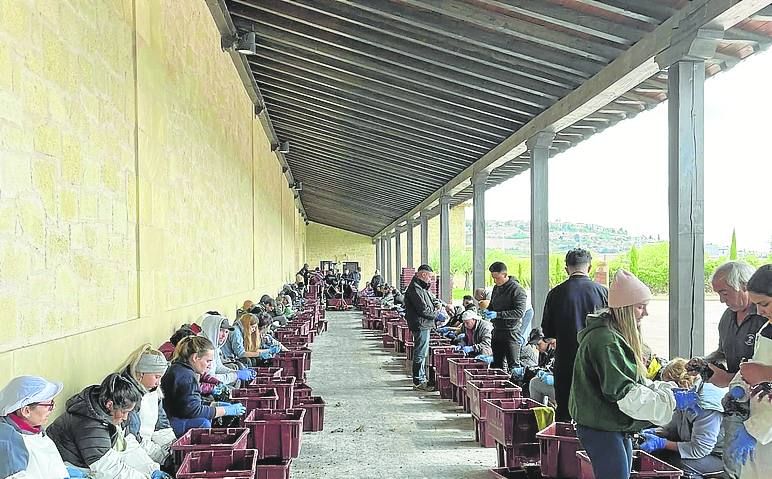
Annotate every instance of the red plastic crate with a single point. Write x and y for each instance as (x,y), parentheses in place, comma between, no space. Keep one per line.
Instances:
(277,433)
(273,469)
(480,390)
(293,362)
(322,327)
(489,374)
(295,342)
(227,439)
(303,325)
(444,386)
(218,464)
(481,434)
(284,386)
(409,350)
(558,445)
(439,359)
(302,390)
(644,466)
(260,398)
(511,421)
(517,455)
(286,332)
(456,368)
(314,417)
(268,371)
(388,341)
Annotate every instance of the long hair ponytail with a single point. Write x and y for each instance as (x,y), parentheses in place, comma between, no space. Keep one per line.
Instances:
(191,345)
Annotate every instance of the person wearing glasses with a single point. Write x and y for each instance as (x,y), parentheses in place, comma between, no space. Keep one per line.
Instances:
(89,434)
(26,451)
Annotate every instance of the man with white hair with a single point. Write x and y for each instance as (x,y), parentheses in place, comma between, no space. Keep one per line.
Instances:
(736,338)
(739,323)
(476,338)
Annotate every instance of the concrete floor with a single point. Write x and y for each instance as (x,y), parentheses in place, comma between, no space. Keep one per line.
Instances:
(375,425)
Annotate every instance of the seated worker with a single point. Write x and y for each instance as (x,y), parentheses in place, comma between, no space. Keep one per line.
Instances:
(269,306)
(181,393)
(144,368)
(483,298)
(387,298)
(245,307)
(476,338)
(540,379)
(208,382)
(89,435)
(455,323)
(26,451)
(690,441)
(242,344)
(216,329)
(268,345)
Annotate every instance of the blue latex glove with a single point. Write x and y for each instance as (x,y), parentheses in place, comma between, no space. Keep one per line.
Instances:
(742,447)
(443,330)
(266,355)
(737,392)
(467,349)
(485,358)
(518,372)
(461,336)
(218,389)
(246,374)
(74,472)
(649,430)
(275,349)
(441,318)
(451,335)
(653,442)
(160,475)
(687,399)
(491,314)
(548,379)
(458,348)
(237,409)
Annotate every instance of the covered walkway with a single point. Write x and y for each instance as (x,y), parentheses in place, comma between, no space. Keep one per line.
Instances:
(375,425)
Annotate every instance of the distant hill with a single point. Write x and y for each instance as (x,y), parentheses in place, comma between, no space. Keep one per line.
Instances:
(514,236)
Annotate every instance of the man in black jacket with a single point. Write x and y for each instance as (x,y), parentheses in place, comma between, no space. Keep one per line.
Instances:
(506,310)
(421,315)
(565,313)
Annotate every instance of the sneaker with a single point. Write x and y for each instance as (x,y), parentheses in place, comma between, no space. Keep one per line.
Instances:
(424,386)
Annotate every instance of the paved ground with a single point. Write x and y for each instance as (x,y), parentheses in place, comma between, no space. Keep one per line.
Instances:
(375,425)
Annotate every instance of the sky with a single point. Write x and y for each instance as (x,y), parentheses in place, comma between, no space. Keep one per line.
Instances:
(618,178)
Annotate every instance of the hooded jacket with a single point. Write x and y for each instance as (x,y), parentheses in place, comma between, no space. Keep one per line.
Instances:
(85,432)
(606,393)
(419,306)
(233,347)
(87,438)
(210,329)
(509,301)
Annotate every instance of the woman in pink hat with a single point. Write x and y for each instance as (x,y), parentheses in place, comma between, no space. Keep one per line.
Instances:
(611,399)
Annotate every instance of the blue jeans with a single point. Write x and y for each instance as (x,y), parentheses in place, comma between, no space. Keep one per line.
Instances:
(611,453)
(525,326)
(180,426)
(420,350)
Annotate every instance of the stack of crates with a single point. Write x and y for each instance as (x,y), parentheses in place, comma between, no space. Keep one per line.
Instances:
(478,390)
(512,424)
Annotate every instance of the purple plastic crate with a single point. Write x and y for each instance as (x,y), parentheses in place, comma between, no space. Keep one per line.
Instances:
(444,386)
(517,455)
(314,417)
(218,464)
(511,421)
(480,390)
(226,439)
(273,468)
(276,434)
(456,368)
(558,445)
(261,398)
(284,386)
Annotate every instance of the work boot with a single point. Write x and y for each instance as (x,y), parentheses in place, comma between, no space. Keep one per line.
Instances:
(424,386)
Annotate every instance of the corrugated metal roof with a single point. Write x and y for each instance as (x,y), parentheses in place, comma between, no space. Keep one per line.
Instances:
(385,101)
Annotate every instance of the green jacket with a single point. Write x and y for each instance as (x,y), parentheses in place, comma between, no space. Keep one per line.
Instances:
(604,372)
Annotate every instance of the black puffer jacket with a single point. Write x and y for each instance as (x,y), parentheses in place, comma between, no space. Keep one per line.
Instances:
(85,432)
(508,300)
(419,306)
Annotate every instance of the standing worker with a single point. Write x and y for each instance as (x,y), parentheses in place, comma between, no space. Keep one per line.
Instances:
(610,397)
(565,312)
(421,315)
(506,310)
(751,443)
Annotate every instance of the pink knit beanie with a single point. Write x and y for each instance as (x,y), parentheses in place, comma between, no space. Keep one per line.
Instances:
(627,290)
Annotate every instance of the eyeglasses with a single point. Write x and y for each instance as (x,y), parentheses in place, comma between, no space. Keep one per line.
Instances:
(50,404)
